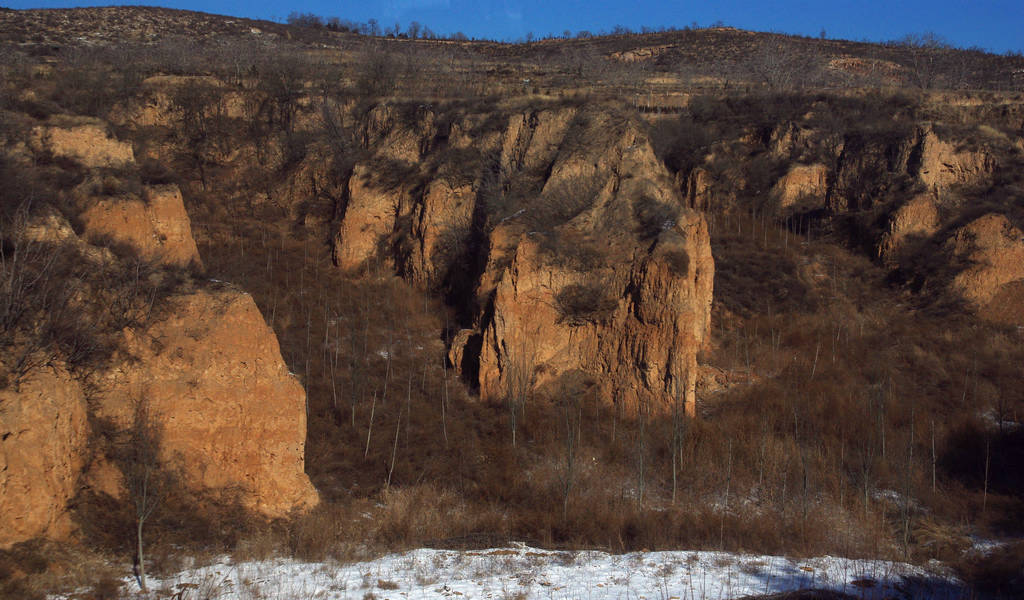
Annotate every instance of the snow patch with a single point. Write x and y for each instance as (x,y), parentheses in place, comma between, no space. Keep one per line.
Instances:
(525,572)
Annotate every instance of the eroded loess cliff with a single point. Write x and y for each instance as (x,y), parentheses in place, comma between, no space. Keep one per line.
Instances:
(917,187)
(114,321)
(556,232)
(43,446)
(231,417)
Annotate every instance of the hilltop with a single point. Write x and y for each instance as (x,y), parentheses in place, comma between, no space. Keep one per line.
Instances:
(654,63)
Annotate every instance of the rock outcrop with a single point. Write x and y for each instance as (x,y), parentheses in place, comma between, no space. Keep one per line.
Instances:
(83,141)
(156,225)
(369,218)
(582,255)
(994,251)
(941,164)
(640,345)
(805,185)
(232,419)
(43,435)
(918,217)
(891,185)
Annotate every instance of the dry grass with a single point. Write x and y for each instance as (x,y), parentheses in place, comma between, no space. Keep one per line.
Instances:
(807,330)
(996,574)
(838,383)
(31,570)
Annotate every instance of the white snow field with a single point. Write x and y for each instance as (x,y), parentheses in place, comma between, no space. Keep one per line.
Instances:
(522,573)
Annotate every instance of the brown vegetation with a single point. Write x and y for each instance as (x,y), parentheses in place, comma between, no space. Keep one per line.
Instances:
(849,400)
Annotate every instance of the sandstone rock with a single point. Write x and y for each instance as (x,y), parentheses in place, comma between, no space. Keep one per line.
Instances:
(472,132)
(866,165)
(156,107)
(644,349)
(502,245)
(233,419)
(445,206)
(872,69)
(699,189)
(1007,305)
(43,435)
(459,346)
(86,143)
(941,164)
(995,250)
(641,345)
(918,217)
(640,54)
(49,227)
(532,139)
(804,185)
(369,216)
(157,226)
(585,175)
(442,225)
(396,140)
(310,191)
(787,140)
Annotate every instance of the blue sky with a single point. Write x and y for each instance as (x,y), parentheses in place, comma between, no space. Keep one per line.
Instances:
(997,25)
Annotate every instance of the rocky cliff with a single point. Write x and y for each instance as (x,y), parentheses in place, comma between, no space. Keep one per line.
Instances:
(909,184)
(232,419)
(556,231)
(43,445)
(200,356)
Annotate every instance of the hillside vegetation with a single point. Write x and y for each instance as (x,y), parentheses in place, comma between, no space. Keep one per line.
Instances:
(700,289)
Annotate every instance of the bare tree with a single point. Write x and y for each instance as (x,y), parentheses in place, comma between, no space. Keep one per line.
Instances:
(145,479)
(926,56)
(377,72)
(571,403)
(779,66)
(201,128)
(679,426)
(519,378)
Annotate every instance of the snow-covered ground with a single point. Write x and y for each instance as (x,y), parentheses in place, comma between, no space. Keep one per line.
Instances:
(522,573)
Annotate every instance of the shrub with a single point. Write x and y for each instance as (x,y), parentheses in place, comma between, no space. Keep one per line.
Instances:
(570,249)
(588,302)
(154,172)
(998,573)
(653,216)
(678,261)
(377,73)
(43,318)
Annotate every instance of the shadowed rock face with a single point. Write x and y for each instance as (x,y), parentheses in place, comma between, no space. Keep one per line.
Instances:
(84,141)
(918,217)
(572,247)
(994,251)
(801,183)
(43,435)
(156,225)
(231,417)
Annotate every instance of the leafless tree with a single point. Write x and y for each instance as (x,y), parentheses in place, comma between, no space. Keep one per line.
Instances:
(40,320)
(519,377)
(925,56)
(376,72)
(570,399)
(145,479)
(679,427)
(780,67)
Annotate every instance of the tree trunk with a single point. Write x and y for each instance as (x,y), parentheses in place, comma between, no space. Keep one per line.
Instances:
(142,562)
